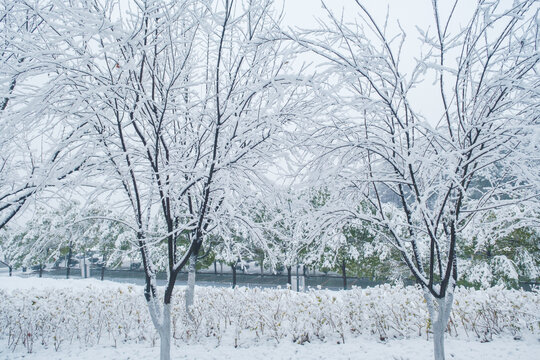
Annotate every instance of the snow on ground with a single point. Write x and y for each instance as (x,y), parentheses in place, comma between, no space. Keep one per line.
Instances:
(24,283)
(360,347)
(357,348)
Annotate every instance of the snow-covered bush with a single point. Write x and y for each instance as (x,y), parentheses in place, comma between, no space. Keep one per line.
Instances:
(51,317)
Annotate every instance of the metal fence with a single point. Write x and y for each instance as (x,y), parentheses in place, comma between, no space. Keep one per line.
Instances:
(324,281)
(225,279)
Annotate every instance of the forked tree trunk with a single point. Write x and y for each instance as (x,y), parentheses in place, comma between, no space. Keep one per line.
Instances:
(439,316)
(10,270)
(190,289)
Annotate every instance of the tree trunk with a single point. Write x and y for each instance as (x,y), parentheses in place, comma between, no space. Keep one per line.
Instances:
(165,334)
(103,267)
(262,265)
(233,267)
(161,318)
(289,276)
(160,312)
(439,319)
(190,289)
(215,267)
(40,270)
(438,341)
(10,269)
(344,273)
(84,269)
(67,262)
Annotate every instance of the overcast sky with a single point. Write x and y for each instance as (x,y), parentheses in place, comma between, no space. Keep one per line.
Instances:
(305,14)
(408,15)
(302,12)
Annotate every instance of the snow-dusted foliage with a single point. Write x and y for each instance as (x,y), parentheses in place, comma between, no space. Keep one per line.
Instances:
(93,313)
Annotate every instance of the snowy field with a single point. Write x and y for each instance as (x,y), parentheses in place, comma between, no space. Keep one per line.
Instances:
(89,319)
(358,348)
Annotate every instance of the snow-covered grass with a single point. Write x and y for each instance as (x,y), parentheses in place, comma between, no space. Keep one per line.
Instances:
(72,318)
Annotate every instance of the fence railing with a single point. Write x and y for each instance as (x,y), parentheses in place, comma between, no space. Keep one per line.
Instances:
(324,281)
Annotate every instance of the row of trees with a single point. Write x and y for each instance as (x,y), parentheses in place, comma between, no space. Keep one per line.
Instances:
(57,236)
(179,114)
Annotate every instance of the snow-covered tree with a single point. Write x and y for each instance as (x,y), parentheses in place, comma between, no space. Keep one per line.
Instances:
(182,100)
(39,139)
(500,250)
(8,250)
(61,233)
(285,238)
(427,174)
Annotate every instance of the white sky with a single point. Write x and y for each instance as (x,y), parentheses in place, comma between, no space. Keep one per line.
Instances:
(406,15)
(301,12)
(409,14)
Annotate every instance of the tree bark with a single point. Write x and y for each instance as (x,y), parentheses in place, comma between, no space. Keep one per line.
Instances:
(438,341)
(67,262)
(439,319)
(215,267)
(233,267)
(344,273)
(289,276)
(165,334)
(161,318)
(262,265)
(190,289)
(103,267)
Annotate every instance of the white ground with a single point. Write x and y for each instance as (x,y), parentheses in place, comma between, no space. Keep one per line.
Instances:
(355,348)
(413,349)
